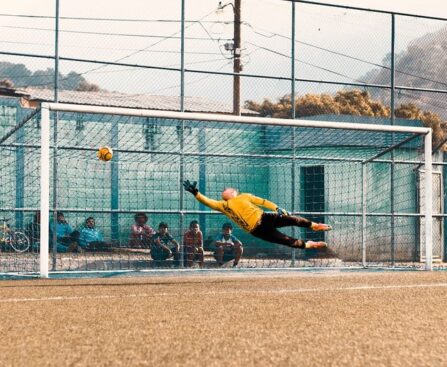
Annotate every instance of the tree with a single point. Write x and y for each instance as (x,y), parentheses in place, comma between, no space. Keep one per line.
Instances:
(85,86)
(412,112)
(6,83)
(348,102)
(20,76)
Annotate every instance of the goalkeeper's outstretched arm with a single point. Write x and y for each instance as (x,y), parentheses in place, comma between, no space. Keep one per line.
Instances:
(267,204)
(192,188)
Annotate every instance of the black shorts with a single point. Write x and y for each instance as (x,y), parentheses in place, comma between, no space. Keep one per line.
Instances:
(267,228)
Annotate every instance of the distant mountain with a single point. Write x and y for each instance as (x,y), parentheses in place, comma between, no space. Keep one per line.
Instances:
(423,65)
(21,76)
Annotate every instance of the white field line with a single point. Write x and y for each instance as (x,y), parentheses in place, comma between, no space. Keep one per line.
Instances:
(224,292)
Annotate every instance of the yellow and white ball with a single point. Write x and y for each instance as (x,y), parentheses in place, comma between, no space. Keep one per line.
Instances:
(105,153)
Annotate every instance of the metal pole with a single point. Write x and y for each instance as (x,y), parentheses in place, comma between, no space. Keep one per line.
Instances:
(292,100)
(182,129)
(202,176)
(393,107)
(189,116)
(182,196)
(428,202)
(182,60)
(292,97)
(20,170)
(114,178)
(44,188)
(237,59)
(364,209)
(444,206)
(55,150)
(56,55)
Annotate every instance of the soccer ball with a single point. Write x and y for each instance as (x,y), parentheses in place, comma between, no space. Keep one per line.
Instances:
(104,153)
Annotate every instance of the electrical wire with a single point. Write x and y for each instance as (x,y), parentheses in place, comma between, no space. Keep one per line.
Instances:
(112,19)
(273,34)
(106,33)
(110,48)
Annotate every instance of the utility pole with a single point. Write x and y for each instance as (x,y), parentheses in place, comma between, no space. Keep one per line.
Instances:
(237,59)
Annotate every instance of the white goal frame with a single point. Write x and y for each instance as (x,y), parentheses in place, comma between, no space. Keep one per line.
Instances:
(45,163)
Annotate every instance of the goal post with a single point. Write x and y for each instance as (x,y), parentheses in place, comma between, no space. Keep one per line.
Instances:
(428,200)
(331,180)
(45,125)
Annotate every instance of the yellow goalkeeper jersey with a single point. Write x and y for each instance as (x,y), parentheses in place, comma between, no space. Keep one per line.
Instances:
(244,209)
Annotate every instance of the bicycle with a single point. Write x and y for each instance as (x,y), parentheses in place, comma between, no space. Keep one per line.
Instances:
(17,240)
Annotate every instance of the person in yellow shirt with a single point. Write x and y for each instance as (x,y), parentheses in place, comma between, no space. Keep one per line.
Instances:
(245,210)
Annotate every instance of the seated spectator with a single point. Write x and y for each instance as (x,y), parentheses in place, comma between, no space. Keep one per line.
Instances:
(91,239)
(164,246)
(228,247)
(66,238)
(140,232)
(193,244)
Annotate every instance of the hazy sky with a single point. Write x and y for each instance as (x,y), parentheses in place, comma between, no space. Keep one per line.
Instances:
(329,40)
(435,8)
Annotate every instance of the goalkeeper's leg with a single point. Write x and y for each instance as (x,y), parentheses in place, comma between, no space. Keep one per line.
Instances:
(267,231)
(273,235)
(291,220)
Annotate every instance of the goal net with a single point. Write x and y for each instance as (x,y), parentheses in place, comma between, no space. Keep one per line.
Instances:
(365,180)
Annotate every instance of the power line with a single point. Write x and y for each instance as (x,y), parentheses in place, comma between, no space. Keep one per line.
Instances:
(15,76)
(305,62)
(191,82)
(111,48)
(147,47)
(108,33)
(273,34)
(414,96)
(112,19)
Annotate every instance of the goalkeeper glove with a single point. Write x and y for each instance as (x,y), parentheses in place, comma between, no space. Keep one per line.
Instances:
(281,211)
(191,187)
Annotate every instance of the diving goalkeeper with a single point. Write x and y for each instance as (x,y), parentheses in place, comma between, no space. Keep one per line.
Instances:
(245,211)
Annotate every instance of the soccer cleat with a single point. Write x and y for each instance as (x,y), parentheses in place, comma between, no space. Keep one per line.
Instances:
(318,227)
(315,244)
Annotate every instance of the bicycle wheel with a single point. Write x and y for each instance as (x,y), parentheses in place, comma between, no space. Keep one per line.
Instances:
(19,241)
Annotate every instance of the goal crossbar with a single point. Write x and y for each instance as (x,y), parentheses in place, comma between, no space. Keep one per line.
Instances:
(64,107)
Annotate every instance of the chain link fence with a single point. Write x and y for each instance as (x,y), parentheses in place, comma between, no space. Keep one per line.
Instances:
(297,60)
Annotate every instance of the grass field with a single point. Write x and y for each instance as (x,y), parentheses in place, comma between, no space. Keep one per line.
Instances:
(229,318)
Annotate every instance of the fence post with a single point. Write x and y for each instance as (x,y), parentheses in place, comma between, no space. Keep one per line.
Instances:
(392,111)
(55,152)
(292,100)
(182,131)
(44,188)
(182,60)
(364,208)
(428,202)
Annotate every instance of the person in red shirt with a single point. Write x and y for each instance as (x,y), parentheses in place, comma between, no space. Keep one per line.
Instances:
(193,244)
(140,232)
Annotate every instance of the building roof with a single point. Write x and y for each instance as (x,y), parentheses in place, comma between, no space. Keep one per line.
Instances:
(117,99)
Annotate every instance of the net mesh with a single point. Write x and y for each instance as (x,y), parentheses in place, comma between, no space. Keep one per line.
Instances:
(336,176)
(20,196)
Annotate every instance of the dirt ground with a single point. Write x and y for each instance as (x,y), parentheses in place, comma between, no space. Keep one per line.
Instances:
(227,319)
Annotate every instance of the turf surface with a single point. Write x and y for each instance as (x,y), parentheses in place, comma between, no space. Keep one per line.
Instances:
(308,319)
